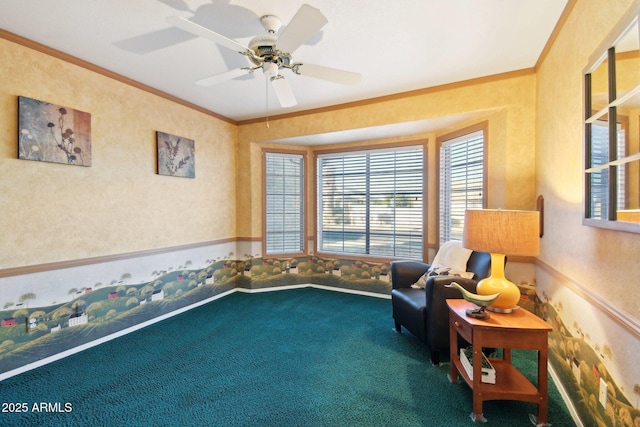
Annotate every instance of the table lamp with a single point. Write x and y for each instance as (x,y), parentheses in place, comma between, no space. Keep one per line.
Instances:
(500,233)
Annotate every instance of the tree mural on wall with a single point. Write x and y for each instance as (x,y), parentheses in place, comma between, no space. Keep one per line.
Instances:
(26,297)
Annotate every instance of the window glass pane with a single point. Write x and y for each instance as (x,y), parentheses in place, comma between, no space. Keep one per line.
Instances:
(600,194)
(599,143)
(599,179)
(371,202)
(461,182)
(621,170)
(599,87)
(627,54)
(284,216)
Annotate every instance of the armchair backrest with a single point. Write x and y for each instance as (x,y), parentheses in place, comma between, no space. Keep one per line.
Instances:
(480,264)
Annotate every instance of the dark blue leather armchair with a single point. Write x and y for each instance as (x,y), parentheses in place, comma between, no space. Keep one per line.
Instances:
(424,312)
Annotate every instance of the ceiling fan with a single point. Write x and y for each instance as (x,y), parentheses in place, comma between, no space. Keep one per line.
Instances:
(272,53)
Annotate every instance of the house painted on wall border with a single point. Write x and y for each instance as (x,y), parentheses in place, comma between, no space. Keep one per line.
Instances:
(78,319)
(9,322)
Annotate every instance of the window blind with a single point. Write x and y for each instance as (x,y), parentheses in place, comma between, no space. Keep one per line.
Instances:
(600,178)
(371,202)
(284,216)
(461,182)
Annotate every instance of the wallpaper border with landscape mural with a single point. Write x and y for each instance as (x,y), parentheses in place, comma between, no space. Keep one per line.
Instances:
(93,302)
(592,357)
(77,311)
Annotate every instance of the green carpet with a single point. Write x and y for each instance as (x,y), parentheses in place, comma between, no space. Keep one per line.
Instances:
(304,357)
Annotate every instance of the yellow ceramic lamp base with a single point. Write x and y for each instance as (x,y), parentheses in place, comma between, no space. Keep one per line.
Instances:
(498,283)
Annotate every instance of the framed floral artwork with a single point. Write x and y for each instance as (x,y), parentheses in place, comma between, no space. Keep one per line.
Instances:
(176,155)
(52,133)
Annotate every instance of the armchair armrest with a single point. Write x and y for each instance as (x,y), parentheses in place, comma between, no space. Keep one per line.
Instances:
(406,273)
(436,290)
(437,311)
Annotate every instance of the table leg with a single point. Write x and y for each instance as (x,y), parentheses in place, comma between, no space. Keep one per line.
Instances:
(477,383)
(506,355)
(453,350)
(543,385)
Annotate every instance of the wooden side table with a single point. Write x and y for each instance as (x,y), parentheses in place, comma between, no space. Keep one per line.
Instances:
(520,330)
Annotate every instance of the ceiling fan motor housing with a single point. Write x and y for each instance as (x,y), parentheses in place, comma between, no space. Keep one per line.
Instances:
(264,47)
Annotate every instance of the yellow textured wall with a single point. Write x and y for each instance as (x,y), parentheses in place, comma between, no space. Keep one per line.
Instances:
(507,103)
(55,212)
(602,262)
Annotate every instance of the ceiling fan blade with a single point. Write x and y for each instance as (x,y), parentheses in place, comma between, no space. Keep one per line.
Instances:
(283,92)
(199,30)
(222,77)
(306,22)
(330,74)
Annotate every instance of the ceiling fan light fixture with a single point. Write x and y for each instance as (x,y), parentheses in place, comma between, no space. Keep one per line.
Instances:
(270,69)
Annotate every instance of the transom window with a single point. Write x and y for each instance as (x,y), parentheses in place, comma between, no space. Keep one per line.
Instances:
(371,202)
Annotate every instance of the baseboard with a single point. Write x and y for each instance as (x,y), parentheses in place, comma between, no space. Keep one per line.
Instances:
(275,288)
(311,285)
(565,397)
(351,291)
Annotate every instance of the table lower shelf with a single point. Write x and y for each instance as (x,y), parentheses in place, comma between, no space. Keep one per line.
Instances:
(510,383)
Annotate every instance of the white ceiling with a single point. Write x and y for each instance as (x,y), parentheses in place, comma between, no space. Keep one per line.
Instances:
(397,46)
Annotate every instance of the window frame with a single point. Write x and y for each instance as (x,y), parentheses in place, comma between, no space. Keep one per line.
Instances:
(617,123)
(279,152)
(423,144)
(449,138)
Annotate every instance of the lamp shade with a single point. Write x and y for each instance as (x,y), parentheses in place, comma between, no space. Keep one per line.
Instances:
(508,232)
